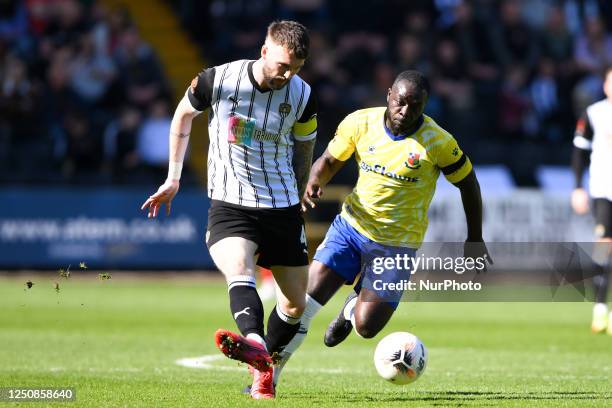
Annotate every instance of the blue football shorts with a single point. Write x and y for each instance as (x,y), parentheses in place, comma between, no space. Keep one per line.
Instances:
(384,268)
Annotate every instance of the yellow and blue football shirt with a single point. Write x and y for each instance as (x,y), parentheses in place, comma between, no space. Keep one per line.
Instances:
(397,175)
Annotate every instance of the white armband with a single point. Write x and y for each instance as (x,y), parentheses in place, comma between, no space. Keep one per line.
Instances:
(174,170)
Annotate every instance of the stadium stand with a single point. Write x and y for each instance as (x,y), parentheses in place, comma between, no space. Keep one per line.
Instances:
(504,81)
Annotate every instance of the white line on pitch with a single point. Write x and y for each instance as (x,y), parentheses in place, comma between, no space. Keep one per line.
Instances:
(204,362)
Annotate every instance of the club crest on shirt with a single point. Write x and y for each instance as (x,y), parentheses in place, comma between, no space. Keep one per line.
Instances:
(284,109)
(413,161)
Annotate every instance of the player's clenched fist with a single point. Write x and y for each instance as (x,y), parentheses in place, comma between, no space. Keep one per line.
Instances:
(164,195)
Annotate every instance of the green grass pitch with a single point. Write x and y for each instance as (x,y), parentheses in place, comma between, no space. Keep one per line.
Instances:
(117,342)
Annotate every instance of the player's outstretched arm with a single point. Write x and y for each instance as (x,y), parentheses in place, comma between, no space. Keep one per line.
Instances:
(180,129)
(472,205)
(322,171)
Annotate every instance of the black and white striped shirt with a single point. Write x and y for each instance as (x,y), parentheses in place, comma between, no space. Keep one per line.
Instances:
(251,134)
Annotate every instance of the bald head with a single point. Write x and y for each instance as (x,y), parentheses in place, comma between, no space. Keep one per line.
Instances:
(414,77)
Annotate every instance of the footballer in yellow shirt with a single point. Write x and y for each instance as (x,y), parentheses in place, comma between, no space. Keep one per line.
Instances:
(400,153)
(397,174)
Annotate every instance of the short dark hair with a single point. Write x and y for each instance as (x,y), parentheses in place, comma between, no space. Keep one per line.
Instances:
(291,35)
(414,77)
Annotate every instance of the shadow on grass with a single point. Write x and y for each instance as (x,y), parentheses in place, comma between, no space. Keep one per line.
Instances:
(456,397)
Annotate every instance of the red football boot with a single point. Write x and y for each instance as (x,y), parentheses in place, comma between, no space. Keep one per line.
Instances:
(263,384)
(242,349)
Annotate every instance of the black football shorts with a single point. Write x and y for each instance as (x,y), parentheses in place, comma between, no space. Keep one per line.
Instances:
(278,232)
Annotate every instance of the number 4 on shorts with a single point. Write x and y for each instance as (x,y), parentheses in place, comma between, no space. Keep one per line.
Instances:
(303,238)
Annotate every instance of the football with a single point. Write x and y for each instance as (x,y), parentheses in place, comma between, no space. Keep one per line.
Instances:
(400,358)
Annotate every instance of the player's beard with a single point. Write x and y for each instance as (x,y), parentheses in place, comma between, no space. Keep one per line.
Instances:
(401,125)
(393,124)
(273,82)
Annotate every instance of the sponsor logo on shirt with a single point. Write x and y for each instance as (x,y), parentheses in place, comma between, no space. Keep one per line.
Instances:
(382,170)
(243,131)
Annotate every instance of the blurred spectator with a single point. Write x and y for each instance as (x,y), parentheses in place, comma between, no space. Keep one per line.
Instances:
(141,74)
(593,49)
(118,21)
(357,54)
(592,54)
(92,71)
(410,55)
(556,42)
(192,13)
(20,129)
(544,94)
(578,11)
(345,17)
(478,43)
(514,104)
(446,13)
(152,143)
(605,12)
(84,153)
(13,20)
(120,140)
(535,12)
(418,23)
(59,95)
(67,24)
(480,47)
(40,13)
(100,31)
(322,74)
(236,26)
(518,42)
(17,97)
(383,77)
(312,13)
(557,45)
(451,83)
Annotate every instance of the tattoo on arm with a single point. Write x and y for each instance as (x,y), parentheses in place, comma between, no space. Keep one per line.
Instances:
(302,161)
(180,135)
